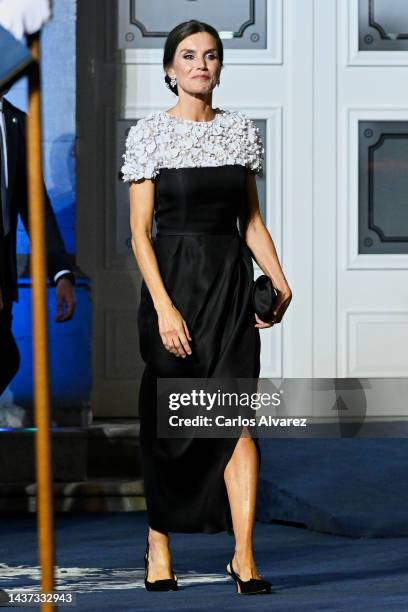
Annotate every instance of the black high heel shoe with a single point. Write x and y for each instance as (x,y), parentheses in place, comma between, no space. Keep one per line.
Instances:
(253,586)
(167,584)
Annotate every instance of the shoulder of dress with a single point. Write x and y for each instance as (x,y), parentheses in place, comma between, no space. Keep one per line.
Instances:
(248,140)
(143,124)
(152,118)
(243,125)
(142,136)
(237,116)
(249,123)
(231,116)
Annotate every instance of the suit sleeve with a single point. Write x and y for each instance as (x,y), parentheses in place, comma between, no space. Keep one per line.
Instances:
(57,257)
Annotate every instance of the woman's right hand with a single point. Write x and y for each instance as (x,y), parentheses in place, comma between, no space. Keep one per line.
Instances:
(174,331)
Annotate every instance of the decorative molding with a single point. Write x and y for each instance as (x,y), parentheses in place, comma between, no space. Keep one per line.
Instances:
(272,54)
(377,26)
(379,347)
(349,203)
(163,34)
(371,161)
(353,56)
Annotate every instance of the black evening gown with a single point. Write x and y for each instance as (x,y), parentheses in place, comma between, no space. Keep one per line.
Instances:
(207,270)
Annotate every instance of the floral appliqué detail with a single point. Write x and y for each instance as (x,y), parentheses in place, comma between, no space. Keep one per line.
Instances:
(161,140)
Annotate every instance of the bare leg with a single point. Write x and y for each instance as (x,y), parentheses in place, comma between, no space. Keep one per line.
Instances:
(241,479)
(159,556)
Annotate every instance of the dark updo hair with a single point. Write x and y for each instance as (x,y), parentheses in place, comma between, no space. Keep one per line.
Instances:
(179,33)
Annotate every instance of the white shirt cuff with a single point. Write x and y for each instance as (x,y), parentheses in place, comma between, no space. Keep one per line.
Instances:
(58,274)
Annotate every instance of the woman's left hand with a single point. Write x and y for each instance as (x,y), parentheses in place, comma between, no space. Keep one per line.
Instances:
(283,300)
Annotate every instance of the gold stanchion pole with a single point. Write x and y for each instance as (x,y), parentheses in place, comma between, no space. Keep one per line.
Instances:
(43,449)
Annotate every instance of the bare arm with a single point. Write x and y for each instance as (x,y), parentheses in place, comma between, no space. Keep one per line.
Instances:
(263,249)
(173,328)
(141,195)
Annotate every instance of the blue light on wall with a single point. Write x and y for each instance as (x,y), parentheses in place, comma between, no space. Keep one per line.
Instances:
(69,342)
(69,351)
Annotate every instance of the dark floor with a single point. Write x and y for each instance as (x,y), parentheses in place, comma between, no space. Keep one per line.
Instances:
(100,557)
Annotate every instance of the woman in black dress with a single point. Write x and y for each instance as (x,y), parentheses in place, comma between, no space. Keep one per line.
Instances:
(194,168)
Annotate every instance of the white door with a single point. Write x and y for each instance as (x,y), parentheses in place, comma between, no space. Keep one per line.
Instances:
(326,82)
(372,233)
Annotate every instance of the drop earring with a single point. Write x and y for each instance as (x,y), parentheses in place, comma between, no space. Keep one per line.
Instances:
(173,81)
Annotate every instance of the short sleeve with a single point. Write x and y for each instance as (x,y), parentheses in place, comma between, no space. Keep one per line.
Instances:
(255,148)
(140,157)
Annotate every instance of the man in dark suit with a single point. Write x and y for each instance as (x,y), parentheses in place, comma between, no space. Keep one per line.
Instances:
(14,202)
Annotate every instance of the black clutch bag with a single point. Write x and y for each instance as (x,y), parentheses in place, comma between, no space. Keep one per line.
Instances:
(263,297)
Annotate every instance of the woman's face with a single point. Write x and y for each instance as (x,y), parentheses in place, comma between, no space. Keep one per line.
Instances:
(196,64)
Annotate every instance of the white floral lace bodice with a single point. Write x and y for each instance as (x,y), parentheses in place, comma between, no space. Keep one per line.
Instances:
(161,140)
